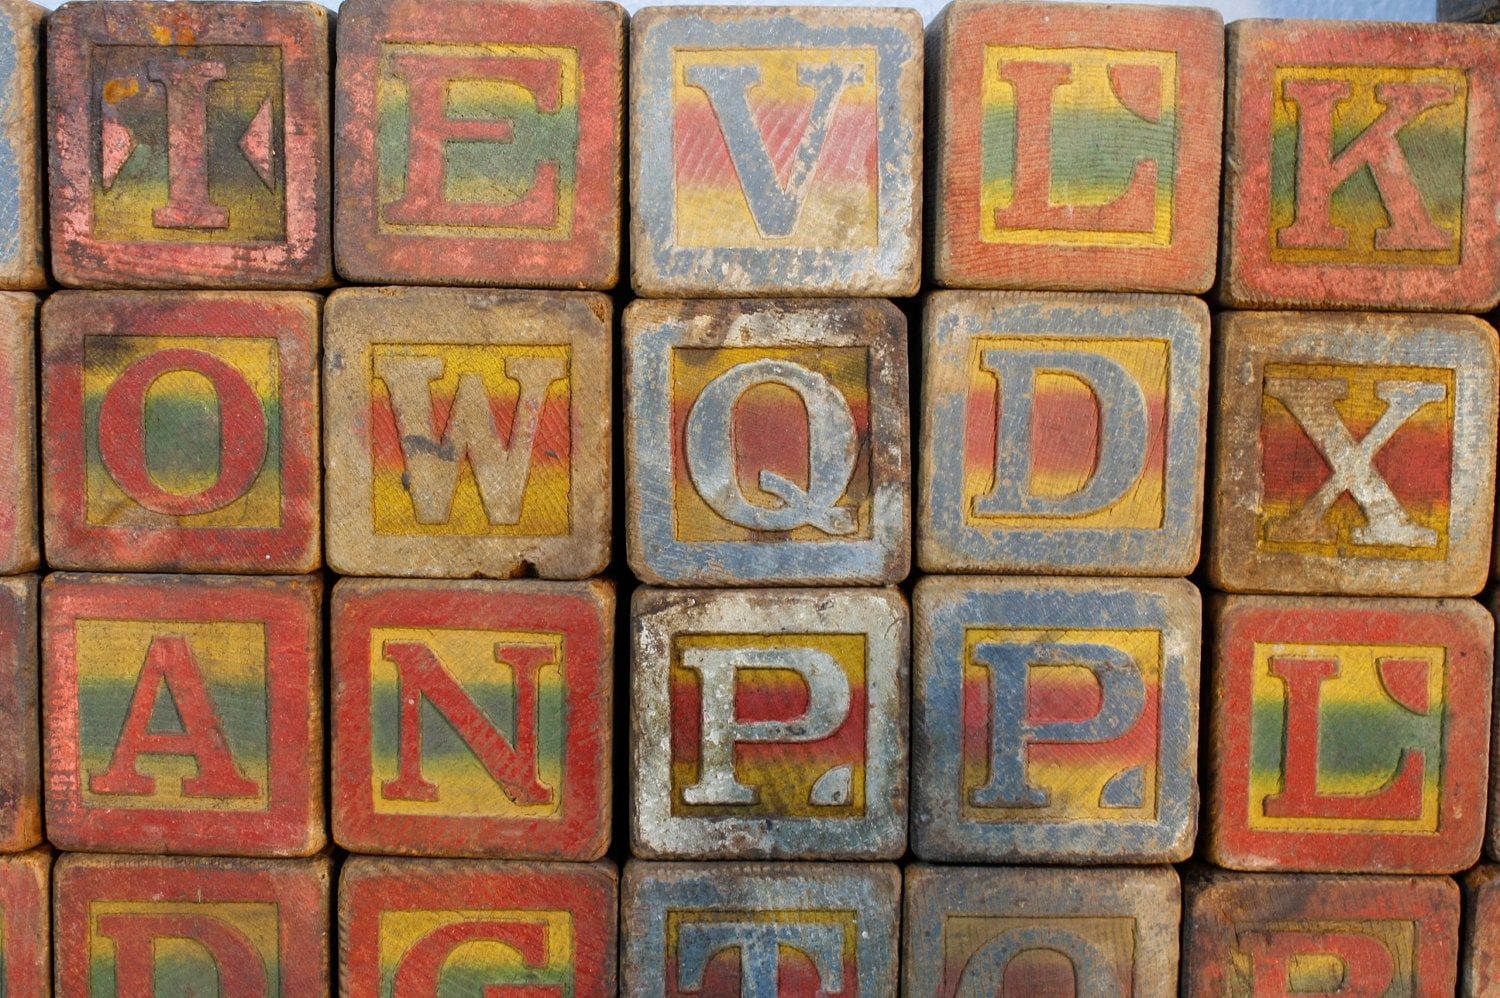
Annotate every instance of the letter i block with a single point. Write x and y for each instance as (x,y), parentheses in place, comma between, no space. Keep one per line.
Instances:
(1063,434)
(410,927)
(184,714)
(150,925)
(20,742)
(479,143)
(473,718)
(1055,720)
(1480,975)
(22,238)
(189,145)
(19,551)
(181,431)
(767,443)
(1360,167)
(759,929)
(467,432)
(775,151)
(1349,735)
(25,924)
(1267,936)
(1078,146)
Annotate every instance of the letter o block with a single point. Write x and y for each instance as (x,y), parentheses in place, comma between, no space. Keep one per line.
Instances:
(19,551)
(22,233)
(25,925)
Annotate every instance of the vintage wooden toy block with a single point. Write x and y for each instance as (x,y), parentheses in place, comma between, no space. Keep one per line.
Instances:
(25,925)
(769,724)
(1349,735)
(759,929)
(1014,931)
(19,551)
(775,151)
(1063,434)
(183,714)
(1268,936)
(510,757)
(22,236)
(1479,975)
(767,443)
(1055,720)
(1360,167)
(434,927)
(189,145)
(1354,454)
(156,925)
(20,739)
(1077,146)
(479,143)
(467,432)
(180,431)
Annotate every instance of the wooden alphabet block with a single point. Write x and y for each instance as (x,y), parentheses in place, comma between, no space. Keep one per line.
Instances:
(433,927)
(467,432)
(20,739)
(510,758)
(19,551)
(1355,453)
(769,724)
(1267,936)
(184,714)
(1078,146)
(759,929)
(1360,167)
(1349,735)
(479,143)
(1055,720)
(22,239)
(181,431)
(155,925)
(1479,977)
(1062,434)
(775,151)
(25,923)
(767,443)
(189,145)
(1001,931)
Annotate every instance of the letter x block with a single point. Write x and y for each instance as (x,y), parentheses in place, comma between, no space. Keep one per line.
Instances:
(1480,975)
(473,718)
(180,431)
(19,551)
(184,714)
(149,925)
(775,150)
(411,927)
(759,929)
(25,924)
(1349,735)
(1078,146)
(22,237)
(1361,165)
(20,742)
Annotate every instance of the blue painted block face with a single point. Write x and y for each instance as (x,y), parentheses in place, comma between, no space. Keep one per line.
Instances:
(21,240)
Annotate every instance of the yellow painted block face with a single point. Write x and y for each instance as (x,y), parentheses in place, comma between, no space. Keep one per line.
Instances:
(1318,972)
(402,936)
(964,936)
(849,921)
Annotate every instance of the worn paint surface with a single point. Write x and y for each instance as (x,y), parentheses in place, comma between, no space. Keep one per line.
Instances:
(20,742)
(19,549)
(23,239)
(25,928)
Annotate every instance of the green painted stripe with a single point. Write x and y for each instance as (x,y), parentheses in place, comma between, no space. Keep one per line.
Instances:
(1354,740)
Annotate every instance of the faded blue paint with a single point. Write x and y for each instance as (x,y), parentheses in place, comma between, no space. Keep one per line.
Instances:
(11,184)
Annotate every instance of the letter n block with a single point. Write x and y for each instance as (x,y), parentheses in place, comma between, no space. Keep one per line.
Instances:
(435,927)
(775,151)
(467,432)
(19,551)
(1078,146)
(1349,735)
(184,714)
(20,741)
(1062,434)
(25,923)
(22,235)
(149,925)
(1360,167)
(473,718)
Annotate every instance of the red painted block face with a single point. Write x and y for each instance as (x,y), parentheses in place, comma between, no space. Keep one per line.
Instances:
(18,492)
(189,145)
(25,936)
(20,744)
(181,432)
(473,718)
(184,714)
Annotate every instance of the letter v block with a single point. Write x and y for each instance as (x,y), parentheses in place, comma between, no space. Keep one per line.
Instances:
(1349,735)
(22,156)
(25,923)
(473,718)
(184,714)
(467,432)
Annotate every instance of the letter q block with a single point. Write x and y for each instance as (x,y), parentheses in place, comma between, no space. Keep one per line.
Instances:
(22,156)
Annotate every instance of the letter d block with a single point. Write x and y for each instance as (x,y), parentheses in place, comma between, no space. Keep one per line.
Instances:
(25,923)
(22,237)
(184,714)
(1349,735)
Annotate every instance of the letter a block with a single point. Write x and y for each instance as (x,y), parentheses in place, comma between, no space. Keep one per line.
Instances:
(479,143)
(467,432)
(184,714)
(767,443)
(22,238)
(1078,146)
(1349,735)
(20,742)
(25,924)
(1063,433)
(154,925)
(775,151)
(19,551)
(1361,166)
(1480,974)
(440,927)
(189,145)
(473,718)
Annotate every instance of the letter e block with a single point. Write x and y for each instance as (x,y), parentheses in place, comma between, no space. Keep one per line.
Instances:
(19,551)
(25,923)
(20,742)
(22,237)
